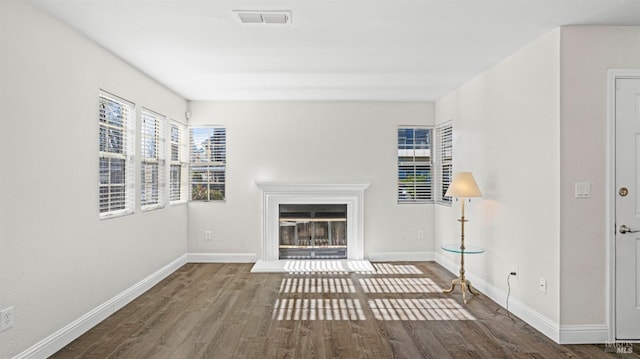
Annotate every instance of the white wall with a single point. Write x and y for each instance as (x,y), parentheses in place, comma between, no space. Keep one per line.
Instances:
(587,53)
(311,142)
(514,126)
(507,132)
(58,259)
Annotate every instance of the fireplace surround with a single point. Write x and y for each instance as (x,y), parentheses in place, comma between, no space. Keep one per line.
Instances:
(275,194)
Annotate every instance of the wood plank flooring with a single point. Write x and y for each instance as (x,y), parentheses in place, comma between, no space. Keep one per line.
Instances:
(224,311)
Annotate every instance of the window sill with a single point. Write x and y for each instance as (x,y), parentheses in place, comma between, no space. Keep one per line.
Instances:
(220,201)
(110,215)
(151,207)
(416,202)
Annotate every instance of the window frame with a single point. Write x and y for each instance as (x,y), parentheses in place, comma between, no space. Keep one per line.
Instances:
(149,160)
(407,157)
(216,169)
(180,161)
(107,130)
(444,161)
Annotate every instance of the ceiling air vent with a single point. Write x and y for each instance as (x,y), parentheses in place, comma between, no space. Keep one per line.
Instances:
(263,17)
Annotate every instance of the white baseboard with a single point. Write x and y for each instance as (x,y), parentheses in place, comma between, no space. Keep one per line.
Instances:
(584,334)
(73,330)
(540,322)
(568,334)
(561,334)
(222,257)
(401,256)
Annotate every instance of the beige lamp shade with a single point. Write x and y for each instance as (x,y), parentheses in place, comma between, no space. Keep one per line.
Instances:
(463,185)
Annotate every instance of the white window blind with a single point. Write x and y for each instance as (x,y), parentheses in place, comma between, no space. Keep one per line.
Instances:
(116,168)
(152,160)
(178,163)
(208,163)
(444,140)
(414,165)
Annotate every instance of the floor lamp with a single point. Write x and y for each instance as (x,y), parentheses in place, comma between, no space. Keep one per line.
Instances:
(463,186)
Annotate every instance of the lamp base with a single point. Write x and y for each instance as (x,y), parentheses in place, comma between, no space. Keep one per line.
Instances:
(465,286)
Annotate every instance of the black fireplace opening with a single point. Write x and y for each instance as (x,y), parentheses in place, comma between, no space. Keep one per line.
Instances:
(313,231)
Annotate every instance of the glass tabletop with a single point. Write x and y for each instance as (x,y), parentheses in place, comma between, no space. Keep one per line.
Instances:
(455,248)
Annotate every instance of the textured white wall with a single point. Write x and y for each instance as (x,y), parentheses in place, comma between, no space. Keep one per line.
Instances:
(310,142)
(58,259)
(507,132)
(587,53)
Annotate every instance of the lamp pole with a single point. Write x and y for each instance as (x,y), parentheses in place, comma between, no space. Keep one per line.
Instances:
(462,187)
(464,284)
(463,281)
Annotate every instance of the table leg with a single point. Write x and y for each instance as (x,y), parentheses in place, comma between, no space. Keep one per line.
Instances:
(465,285)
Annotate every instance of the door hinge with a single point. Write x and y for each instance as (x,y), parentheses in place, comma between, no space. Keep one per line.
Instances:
(618,84)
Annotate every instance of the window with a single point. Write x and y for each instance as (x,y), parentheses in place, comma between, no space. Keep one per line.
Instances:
(444,161)
(208,163)
(116,172)
(414,165)
(177,180)
(152,160)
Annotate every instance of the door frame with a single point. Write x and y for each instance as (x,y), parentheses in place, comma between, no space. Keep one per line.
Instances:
(610,232)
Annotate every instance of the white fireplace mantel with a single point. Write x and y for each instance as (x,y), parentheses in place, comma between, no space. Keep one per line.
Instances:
(276,193)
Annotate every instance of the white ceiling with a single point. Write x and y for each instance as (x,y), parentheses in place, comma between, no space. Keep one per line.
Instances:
(334,49)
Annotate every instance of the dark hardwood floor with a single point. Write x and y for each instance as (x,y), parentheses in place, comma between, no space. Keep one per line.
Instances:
(224,311)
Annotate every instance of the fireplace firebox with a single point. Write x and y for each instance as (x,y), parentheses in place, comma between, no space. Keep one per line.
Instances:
(313,231)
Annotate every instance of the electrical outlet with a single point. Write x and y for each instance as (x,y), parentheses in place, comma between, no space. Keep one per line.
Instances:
(420,234)
(542,285)
(515,270)
(6,319)
(208,236)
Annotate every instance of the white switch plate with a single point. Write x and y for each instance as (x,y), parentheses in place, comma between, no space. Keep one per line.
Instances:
(583,190)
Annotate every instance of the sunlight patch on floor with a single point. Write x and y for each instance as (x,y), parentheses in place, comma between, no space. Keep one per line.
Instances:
(318,309)
(332,274)
(388,268)
(399,285)
(317,285)
(327,266)
(418,309)
(313,266)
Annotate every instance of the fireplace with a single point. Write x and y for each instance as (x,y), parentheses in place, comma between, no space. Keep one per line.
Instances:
(313,231)
(297,219)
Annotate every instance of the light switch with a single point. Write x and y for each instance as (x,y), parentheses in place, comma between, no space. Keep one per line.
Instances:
(583,190)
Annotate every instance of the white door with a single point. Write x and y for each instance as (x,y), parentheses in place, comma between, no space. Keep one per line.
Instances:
(627,241)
